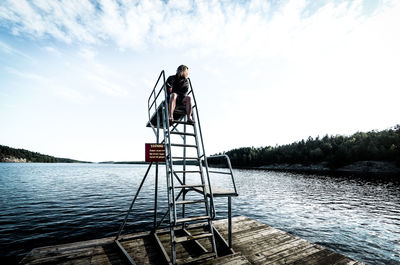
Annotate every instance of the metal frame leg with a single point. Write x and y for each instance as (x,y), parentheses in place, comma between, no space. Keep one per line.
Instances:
(133,201)
(230,221)
(155,198)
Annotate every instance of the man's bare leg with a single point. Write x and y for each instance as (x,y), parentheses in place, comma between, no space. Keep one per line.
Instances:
(187,101)
(172,105)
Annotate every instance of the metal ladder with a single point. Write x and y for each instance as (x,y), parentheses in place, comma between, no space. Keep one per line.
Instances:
(159,122)
(183,187)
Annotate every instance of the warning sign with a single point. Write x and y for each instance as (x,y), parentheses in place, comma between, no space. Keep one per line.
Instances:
(155,153)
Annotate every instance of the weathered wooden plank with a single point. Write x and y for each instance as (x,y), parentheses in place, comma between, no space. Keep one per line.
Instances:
(272,252)
(238,226)
(252,236)
(76,245)
(232,259)
(60,259)
(83,244)
(60,256)
(294,254)
(112,259)
(258,247)
(330,258)
(140,247)
(252,231)
(253,242)
(314,258)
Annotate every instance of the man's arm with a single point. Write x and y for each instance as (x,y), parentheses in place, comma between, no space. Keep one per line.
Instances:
(169,84)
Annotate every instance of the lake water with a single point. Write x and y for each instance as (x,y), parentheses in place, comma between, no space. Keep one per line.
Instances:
(47,204)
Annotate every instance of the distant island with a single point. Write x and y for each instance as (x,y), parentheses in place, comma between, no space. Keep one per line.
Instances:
(9,154)
(365,152)
(14,155)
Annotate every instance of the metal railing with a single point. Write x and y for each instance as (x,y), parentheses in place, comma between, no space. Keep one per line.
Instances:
(154,102)
(229,166)
(213,213)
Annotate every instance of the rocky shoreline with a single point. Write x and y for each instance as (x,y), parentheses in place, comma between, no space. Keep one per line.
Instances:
(360,167)
(12,159)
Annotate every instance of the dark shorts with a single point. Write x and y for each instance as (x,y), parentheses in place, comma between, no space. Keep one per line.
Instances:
(179,99)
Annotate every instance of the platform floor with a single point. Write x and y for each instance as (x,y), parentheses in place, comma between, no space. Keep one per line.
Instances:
(253,243)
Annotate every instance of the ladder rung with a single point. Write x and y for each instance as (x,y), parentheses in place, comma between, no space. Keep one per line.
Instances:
(190,219)
(188,202)
(206,255)
(180,111)
(187,158)
(182,133)
(220,172)
(188,186)
(192,237)
(184,145)
(187,171)
(183,122)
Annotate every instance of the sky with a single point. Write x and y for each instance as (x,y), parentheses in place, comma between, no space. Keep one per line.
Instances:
(75,75)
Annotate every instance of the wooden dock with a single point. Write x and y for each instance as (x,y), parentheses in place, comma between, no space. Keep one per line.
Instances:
(252,243)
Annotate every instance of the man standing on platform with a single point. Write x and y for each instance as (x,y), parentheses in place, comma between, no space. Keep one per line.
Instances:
(177,88)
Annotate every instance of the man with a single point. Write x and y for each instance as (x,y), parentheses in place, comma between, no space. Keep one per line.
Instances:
(178,87)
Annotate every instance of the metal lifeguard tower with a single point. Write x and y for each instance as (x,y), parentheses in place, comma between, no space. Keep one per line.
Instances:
(189,188)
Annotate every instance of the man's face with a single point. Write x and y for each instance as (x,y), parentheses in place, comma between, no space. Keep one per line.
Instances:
(186,73)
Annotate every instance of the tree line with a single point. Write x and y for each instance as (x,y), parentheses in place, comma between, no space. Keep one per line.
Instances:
(334,151)
(6,152)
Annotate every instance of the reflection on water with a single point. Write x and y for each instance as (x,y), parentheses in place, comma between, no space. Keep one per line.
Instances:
(45,204)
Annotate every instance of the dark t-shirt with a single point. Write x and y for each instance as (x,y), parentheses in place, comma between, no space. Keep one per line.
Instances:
(179,85)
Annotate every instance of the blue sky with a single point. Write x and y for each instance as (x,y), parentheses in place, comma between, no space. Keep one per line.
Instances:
(75,75)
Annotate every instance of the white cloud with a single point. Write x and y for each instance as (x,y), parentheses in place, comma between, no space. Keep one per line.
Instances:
(87,53)
(53,50)
(10,50)
(25,75)
(248,30)
(104,79)
(49,83)
(105,86)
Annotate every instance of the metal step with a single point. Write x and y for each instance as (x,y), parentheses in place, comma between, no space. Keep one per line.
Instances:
(206,255)
(189,186)
(220,172)
(191,219)
(192,237)
(187,158)
(187,171)
(185,145)
(183,122)
(189,202)
(182,133)
(180,111)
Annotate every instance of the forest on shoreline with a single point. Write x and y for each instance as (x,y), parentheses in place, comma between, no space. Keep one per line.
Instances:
(9,154)
(331,151)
